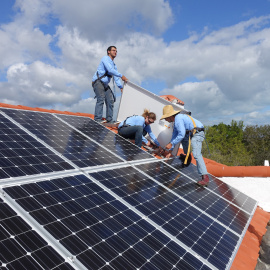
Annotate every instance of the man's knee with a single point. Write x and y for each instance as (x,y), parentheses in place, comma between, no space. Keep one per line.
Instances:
(196,154)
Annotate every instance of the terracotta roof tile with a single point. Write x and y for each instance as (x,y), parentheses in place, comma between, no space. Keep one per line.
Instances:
(248,253)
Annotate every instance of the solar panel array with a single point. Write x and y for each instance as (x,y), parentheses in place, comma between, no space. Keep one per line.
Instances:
(75,195)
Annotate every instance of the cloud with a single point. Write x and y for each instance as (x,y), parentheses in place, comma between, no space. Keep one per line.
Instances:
(40,85)
(219,75)
(19,43)
(100,20)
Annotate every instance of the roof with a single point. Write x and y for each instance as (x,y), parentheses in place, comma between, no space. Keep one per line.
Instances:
(247,255)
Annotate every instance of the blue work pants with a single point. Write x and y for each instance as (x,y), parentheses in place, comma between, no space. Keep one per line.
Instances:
(132,132)
(196,144)
(102,95)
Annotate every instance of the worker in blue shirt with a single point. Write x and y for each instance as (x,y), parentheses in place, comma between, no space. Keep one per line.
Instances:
(187,128)
(136,127)
(100,82)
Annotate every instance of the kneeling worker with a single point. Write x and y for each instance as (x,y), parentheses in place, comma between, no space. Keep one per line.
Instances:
(136,127)
(187,128)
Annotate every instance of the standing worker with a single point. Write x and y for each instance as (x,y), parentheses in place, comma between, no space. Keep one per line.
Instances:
(186,129)
(136,127)
(100,82)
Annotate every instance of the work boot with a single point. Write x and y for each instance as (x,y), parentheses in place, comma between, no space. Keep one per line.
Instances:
(182,157)
(204,182)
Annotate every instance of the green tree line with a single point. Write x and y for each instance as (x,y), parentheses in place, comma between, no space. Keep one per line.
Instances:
(237,145)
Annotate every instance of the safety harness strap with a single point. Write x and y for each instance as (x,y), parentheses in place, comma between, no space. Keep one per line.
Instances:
(193,131)
(106,74)
(105,87)
(124,124)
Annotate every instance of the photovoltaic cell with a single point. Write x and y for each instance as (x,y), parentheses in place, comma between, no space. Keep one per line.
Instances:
(23,248)
(21,154)
(67,141)
(203,234)
(217,186)
(107,138)
(98,229)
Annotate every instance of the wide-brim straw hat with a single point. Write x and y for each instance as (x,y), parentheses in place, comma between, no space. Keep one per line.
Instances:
(168,111)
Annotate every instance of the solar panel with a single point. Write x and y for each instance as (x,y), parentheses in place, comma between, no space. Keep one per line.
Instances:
(67,141)
(23,155)
(218,207)
(97,228)
(205,232)
(122,209)
(215,185)
(21,247)
(107,138)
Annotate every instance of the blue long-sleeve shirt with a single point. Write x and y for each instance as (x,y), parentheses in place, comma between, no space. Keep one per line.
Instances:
(138,120)
(182,123)
(107,65)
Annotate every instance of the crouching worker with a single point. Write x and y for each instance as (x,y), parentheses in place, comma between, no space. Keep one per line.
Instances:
(136,127)
(187,130)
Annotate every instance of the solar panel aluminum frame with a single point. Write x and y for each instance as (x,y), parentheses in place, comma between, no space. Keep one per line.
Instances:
(42,232)
(247,224)
(164,231)
(31,178)
(244,230)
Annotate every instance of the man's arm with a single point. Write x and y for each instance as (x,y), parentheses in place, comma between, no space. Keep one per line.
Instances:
(110,67)
(112,70)
(179,133)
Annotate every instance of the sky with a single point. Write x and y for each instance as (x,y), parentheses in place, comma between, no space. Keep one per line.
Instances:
(212,54)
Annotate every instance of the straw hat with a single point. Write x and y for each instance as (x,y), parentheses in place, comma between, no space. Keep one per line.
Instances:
(168,111)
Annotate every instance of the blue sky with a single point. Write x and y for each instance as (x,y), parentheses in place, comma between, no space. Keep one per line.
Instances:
(214,55)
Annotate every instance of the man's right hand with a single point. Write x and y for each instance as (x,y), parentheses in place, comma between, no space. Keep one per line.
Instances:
(124,78)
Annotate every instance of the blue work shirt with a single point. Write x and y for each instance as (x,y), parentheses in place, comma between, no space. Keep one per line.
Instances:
(138,120)
(107,64)
(182,123)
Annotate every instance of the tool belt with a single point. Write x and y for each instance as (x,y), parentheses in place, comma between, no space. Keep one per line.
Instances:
(194,129)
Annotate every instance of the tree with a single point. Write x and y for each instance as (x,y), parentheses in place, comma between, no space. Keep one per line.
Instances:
(226,144)
(257,141)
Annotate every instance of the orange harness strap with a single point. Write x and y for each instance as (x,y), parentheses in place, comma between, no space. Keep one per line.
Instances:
(189,140)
